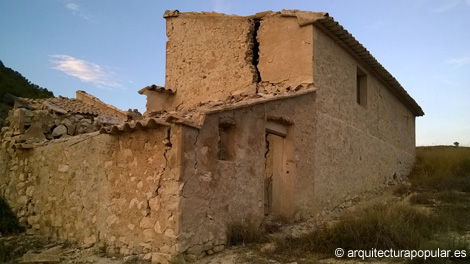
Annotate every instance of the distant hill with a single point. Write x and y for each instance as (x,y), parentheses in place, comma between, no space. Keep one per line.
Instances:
(13,83)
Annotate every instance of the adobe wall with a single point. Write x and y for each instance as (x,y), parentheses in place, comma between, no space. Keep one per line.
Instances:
(156,101)
(115,191)
(208,57)
(218,193)
(359,148)
(285,53)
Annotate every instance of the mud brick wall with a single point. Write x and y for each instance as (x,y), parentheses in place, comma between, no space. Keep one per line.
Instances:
(208,57)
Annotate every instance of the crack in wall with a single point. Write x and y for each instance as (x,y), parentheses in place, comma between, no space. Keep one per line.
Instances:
(168,146)
(267,180)
(256,48)
(147,208)
(252,53)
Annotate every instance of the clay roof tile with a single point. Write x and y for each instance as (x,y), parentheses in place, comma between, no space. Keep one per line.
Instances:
(156,88)
(74,106)
(134,125)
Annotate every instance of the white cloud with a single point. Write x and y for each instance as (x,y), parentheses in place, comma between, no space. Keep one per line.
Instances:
(459,62)
(72,6)
(78,10)
(85,71)
(221,6)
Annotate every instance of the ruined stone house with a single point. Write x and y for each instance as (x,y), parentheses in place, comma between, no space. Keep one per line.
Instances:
(277,115)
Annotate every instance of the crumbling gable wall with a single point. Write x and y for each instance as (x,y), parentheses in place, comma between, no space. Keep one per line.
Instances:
(208,57)
(119,192)
(212,56)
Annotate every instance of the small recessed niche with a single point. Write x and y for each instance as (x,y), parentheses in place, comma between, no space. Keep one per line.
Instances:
(361,87)
(226,144)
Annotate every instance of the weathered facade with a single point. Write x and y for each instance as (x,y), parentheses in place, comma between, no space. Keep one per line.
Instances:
(277,115)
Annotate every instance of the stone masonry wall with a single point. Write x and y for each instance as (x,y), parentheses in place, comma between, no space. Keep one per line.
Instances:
(358,148)
(119,192)
(219,192)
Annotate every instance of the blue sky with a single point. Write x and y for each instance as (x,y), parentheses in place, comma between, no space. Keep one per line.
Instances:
(113,48)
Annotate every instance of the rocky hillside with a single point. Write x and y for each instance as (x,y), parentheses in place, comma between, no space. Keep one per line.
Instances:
(13,83)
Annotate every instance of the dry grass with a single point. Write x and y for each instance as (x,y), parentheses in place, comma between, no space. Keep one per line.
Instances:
(447,242)
(441,182)
(402,190)
(245,233)
(13,247)
(432,198)
(441,169)
(380,227)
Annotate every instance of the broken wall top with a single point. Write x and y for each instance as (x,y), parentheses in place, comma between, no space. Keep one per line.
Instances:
(34,122)
(211,56)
